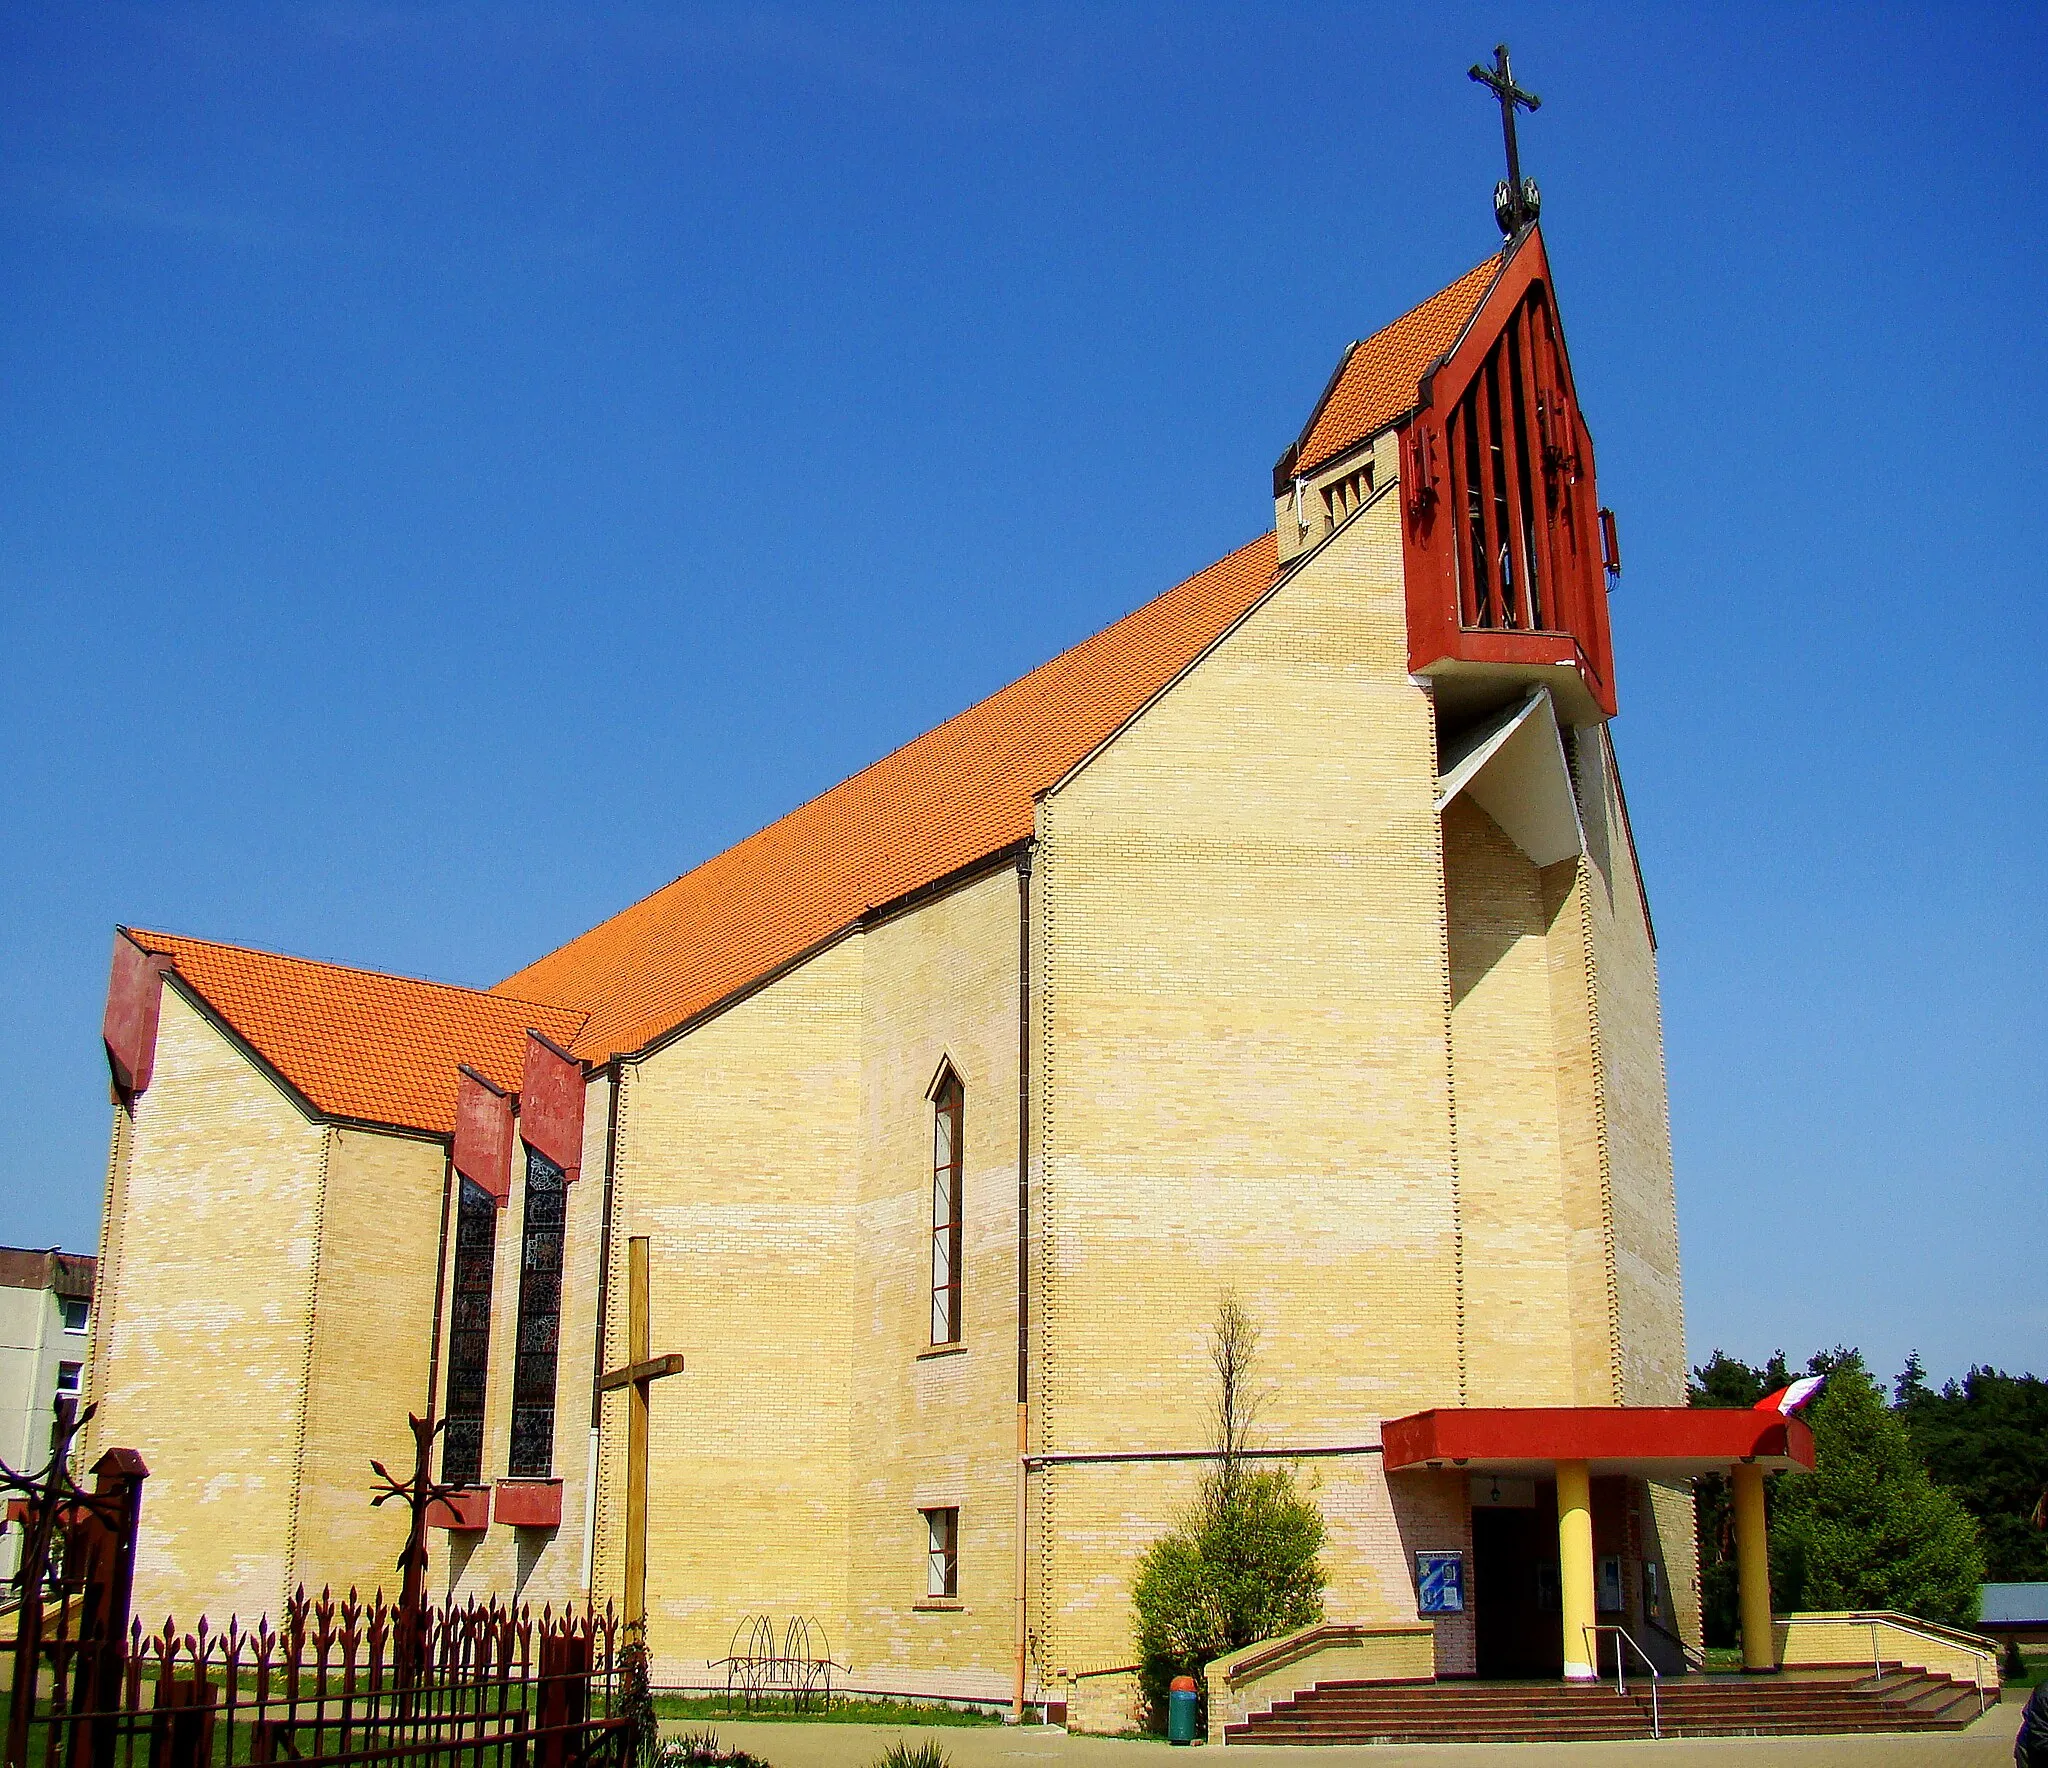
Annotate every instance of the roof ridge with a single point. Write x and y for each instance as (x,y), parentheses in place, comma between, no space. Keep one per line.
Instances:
(888,756)
(142,935)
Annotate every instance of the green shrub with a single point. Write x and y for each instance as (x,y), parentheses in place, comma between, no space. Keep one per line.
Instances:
(1245,1562)
(905,1755)
(1244,1565)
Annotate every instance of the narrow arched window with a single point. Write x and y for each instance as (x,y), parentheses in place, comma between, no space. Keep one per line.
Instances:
(946,1141)
(469,1336)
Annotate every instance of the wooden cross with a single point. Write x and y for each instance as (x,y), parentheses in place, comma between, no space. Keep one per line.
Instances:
(1519,207)
(641,1368)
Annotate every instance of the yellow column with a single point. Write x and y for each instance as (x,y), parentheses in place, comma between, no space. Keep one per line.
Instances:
(1575,1567)
(1753,1569)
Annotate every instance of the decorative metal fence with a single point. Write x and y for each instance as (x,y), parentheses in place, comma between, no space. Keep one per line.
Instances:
(488,1687)
(339,1684)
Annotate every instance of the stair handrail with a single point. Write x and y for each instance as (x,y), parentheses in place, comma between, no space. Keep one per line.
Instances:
(1622,1634)
(1952,1637)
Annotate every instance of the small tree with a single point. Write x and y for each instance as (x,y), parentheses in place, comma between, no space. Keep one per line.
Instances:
(1244,1562)
(1868,1528)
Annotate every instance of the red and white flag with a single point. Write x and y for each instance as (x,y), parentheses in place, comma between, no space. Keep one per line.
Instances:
(1788,1400)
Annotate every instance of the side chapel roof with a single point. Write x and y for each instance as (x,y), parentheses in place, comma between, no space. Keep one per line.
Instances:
(376,1048)
(358,1043)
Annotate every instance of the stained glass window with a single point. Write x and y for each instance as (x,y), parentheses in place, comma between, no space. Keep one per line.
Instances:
(540,1320)
(469,1336)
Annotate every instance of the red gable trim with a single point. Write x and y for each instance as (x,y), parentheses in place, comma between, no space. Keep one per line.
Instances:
(483,1135)
(135,996)
(551,1103)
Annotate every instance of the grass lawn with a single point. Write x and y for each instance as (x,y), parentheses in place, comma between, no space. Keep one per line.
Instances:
(844,1710)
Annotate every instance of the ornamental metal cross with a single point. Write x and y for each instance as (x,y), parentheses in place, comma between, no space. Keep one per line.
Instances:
(641,1369)
(1520,205)
(419,1494)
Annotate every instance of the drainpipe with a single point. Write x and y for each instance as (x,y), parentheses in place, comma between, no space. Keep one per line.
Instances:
(1023,1256)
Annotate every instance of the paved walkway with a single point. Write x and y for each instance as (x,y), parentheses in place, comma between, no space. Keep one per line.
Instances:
(1986,1744)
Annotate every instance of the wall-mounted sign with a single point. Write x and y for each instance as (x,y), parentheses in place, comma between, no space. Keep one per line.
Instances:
(1440,1583)
(1607,1585)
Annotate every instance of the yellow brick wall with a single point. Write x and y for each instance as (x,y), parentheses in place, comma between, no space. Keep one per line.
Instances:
(1243,1077)
(739,1157)
(205,1367)
(938,984)
(380,1242)
(1587,1194)
(1649,1305)
(1506,1054)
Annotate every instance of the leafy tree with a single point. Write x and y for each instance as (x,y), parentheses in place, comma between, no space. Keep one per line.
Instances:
(1244,1563)
(1986,1438)
(1868,1528)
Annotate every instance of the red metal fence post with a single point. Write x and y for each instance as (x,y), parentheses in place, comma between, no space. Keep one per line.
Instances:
(105,1537)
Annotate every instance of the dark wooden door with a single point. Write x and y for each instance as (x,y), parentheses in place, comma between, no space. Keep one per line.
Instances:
(1515,1607)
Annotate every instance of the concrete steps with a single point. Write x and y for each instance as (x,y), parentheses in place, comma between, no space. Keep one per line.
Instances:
(1693,1706)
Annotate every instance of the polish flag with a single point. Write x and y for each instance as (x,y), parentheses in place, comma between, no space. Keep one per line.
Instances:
(1788,1400)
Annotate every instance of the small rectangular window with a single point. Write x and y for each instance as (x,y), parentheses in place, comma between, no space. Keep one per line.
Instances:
(942,1556)
(946,1114)
(77,1313)
(69,1377)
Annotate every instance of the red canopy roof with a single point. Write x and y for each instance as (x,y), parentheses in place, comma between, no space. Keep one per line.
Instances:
(1657,1442)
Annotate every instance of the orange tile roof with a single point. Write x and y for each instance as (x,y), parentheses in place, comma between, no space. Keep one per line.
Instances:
(357,1043)
(955,795)
(1378,378)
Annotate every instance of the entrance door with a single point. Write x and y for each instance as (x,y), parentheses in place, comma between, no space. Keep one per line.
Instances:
(1517,1611)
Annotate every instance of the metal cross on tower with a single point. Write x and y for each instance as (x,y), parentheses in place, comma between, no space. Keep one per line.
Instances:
(1515,200)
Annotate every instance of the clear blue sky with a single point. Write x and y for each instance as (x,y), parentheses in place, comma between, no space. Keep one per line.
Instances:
(464,464)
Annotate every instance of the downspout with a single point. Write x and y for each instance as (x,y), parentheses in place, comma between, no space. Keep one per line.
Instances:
(1023,1257)
(604,1276)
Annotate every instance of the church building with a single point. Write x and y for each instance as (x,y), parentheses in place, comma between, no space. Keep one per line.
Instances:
(1285,939)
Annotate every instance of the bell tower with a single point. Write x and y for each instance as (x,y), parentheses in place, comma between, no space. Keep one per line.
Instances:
(1465,407)
(1505,550)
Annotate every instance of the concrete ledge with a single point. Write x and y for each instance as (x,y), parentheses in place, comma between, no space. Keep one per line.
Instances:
(1258,1676)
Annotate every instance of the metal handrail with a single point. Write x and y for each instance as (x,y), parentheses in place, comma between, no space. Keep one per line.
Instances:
(1949,1637)
(1980,1659)
(1620,1675)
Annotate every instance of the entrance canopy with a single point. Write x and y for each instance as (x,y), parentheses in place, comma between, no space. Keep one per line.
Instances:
(1649,1442)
